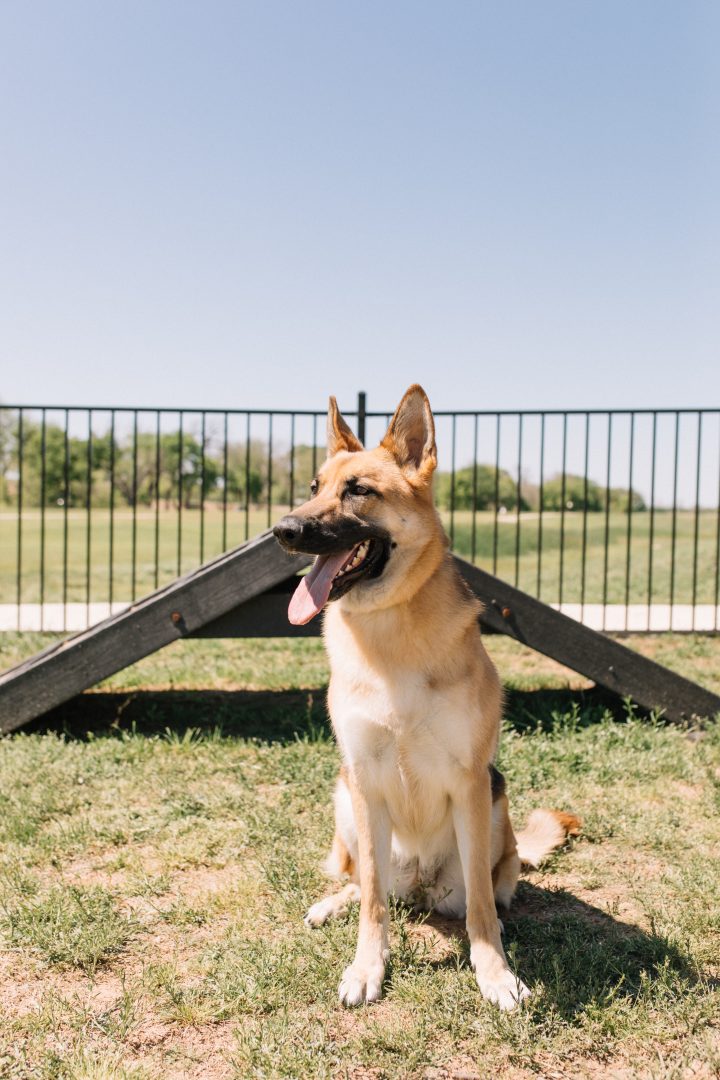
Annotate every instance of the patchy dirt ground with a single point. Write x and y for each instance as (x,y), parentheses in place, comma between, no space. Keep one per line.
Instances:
(153,881)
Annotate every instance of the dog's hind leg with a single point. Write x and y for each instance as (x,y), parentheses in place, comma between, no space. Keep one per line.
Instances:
(506,861)
(339,863)
(333,906)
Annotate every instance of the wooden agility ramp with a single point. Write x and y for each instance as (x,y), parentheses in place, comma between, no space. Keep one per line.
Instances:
(245,593)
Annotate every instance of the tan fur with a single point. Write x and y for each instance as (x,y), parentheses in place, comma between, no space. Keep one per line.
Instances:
(506,861)
(415,703)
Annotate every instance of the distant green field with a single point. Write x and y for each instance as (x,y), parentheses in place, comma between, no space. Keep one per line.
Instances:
(495,549)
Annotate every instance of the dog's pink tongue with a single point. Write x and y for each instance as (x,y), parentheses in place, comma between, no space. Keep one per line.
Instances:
(312,593)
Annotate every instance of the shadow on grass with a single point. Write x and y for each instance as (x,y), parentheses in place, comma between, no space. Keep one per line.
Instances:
(549,709)
(268,715)
(282,715)
(580,954)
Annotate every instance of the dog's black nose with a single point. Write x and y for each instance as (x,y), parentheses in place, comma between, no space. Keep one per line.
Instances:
(288,530)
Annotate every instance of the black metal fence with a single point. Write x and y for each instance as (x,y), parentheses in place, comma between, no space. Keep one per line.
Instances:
(612,515)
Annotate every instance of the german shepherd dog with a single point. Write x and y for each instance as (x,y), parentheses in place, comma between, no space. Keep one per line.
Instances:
(415,702)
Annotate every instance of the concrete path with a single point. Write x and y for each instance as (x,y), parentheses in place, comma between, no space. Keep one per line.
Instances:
(640,618)
(57,617)
(612,617)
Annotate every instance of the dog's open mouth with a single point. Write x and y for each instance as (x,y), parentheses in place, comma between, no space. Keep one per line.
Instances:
(333,575)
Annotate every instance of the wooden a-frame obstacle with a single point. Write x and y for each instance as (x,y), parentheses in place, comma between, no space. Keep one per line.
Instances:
(245,593)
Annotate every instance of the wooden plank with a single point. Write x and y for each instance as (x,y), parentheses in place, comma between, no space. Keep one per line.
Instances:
(605,661)
(179,609)
(262,617)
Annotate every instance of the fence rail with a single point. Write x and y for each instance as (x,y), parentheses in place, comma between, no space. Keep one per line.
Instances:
(611,515)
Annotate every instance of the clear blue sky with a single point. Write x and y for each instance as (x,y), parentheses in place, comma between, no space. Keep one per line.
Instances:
(233,204)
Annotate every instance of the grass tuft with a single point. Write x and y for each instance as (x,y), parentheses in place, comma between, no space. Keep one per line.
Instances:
(68,925)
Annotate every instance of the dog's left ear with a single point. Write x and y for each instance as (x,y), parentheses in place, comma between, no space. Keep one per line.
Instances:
(339,435)
(411,435)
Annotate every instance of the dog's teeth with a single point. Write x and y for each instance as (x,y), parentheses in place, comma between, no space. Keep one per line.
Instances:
(357,559)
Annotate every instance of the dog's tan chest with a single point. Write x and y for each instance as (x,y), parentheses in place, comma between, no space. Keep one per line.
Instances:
(412,738)
(408,740)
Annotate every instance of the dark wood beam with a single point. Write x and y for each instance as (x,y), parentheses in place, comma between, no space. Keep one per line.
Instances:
(262,617)
(602,659)
(178,610)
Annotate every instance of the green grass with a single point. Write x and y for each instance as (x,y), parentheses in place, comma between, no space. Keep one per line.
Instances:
(493,549)
(158,846)
(67,926)
(233,665)
(56,575)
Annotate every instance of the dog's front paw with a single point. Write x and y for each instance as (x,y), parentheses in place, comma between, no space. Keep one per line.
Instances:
(361,983)
(502,988)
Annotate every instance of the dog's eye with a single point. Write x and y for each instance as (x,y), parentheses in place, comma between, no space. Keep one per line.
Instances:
(353,488)
(313,487)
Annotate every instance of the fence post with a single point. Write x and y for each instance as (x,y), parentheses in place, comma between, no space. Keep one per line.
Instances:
(361,417)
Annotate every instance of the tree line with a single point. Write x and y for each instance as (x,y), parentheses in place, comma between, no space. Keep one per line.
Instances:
(51,467)
(483,487)
(143,470)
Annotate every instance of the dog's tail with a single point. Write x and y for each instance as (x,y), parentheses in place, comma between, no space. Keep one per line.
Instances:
(545,831)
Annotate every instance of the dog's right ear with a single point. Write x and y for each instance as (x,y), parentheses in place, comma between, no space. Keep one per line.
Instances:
(411,436)
(339,435)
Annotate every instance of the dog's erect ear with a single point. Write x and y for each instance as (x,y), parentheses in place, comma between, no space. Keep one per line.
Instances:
(411,435)
(339,435)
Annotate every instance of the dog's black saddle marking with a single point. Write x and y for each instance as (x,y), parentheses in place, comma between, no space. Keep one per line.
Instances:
(497,783)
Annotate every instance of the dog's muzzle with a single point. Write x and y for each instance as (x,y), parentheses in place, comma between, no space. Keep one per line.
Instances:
(317,536)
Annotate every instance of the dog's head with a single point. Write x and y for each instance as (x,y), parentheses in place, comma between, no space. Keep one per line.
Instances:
(370,519)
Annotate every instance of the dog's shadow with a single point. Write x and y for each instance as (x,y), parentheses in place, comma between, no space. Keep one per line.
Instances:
(580,954)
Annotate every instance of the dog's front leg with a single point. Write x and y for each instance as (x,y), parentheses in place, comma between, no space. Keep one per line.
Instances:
(472,818)
(363,980)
